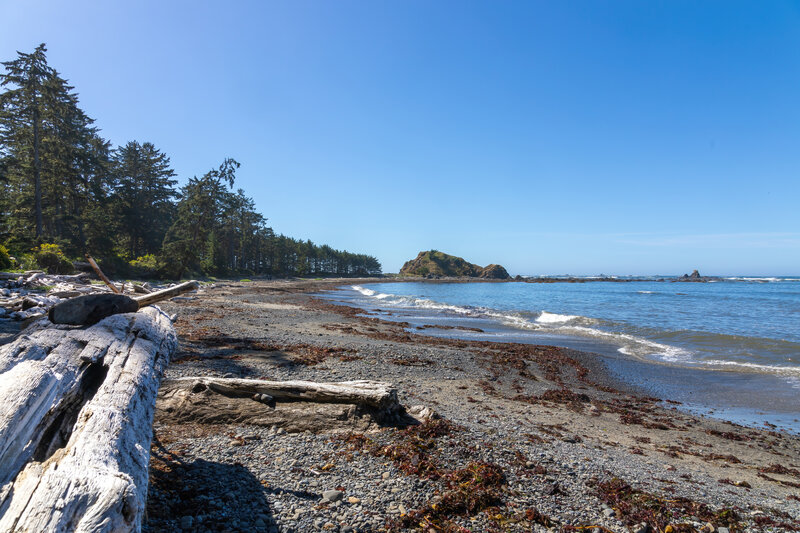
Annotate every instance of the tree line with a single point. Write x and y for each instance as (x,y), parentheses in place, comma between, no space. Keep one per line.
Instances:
(62,184)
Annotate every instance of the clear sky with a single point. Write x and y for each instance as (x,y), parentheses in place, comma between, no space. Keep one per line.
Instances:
(552,137)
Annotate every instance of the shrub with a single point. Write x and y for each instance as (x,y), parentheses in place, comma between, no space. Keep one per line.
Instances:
(49,257)
(5,259)
(145,262)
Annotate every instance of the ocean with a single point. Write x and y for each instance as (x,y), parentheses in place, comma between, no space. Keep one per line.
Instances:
(729,348)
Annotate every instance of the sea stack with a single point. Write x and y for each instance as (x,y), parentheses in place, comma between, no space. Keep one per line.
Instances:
(436,264)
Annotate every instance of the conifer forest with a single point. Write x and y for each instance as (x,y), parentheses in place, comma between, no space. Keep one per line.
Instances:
(66,192)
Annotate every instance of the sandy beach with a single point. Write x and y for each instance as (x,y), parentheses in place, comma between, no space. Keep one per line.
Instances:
(527,437)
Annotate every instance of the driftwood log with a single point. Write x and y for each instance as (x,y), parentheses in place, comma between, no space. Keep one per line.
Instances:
(369,393)
(91,308)
(76,422)
(294,406)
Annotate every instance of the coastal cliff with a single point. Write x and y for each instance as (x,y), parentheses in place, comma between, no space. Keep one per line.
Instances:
(434,263)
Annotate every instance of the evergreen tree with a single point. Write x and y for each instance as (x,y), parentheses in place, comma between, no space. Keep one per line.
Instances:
(22,106)
(55,161)
(186,245)
(143,197)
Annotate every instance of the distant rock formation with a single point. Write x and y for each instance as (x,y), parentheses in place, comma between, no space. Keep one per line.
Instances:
(494,272)
(694,276)
(435,264)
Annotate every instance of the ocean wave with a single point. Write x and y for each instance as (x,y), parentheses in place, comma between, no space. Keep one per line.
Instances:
(544,322)
(645,292)
(761,279)
(771,369)
(362,290)
(554,318)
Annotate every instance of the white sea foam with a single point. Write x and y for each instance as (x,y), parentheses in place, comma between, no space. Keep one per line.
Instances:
(645,292)
(362,290)
(764,279)
(554,318)
(545,322)
(771,369)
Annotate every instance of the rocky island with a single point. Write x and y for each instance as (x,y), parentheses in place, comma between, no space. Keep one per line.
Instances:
(436,264)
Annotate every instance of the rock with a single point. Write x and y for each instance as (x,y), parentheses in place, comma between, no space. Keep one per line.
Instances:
(186,522)
(434,264)
(609,512)
(722,530)
(694,275)
(386,475)
(332,495)
(494,272)
(353,500)
(422,413)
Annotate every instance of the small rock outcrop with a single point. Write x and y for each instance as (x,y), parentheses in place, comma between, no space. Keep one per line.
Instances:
(436,264)
(694,276)
(494,272)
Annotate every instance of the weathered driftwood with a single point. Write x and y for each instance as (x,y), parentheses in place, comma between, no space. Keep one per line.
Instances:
(294,406)
(166,294)
(369,393)
(140,289)
(76,422)
(91,308)
(102,276)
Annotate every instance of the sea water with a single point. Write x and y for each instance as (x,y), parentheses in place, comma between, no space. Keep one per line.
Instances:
(729,348)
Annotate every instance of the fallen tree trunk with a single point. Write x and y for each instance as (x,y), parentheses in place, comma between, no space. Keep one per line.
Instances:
(294,406)
(368,393)
(76,422)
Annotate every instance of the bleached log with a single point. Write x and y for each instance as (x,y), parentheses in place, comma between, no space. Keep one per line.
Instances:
(373,394)
(165,294)
(76,422)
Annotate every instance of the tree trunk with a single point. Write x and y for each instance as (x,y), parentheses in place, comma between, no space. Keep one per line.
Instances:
(37,172)
(368,393)
(76,423)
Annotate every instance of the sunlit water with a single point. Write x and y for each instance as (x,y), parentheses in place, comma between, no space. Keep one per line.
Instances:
(732,346)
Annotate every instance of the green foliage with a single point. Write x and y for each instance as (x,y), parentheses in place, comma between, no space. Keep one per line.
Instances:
(145,262)
(28,262)
(51,258)
(61,182)
(5,259)
(143,190)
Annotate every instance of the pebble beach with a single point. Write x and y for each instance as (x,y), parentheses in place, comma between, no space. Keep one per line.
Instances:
(525,438)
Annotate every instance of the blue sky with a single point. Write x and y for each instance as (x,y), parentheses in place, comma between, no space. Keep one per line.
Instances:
(552,137)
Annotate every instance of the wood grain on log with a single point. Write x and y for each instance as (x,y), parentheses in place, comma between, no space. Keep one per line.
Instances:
(165,294)
(76,422)
(294,406)
(369,393)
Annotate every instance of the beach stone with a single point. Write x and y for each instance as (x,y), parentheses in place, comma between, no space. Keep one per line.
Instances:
(722,530)
(353,500)
(186,522)
(332,495)
(608,512)
(386,475)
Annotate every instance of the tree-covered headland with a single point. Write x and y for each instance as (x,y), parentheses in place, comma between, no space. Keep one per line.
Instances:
(65,192)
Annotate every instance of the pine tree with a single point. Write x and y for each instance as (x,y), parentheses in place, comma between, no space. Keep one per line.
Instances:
(21,108)
(143,196)
(55,161)
(186,243)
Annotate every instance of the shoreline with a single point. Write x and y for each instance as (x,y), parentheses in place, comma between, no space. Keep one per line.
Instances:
(564,446)
(748,397)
